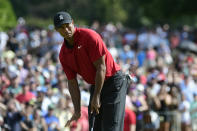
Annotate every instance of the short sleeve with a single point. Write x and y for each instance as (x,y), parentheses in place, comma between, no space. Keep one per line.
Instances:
(69,73)
(96,47)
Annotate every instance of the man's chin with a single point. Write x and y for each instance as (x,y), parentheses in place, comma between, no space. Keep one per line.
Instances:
(68,36)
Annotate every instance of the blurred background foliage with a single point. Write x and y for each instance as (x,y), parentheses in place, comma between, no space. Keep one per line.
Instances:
(7,15)
(132,13)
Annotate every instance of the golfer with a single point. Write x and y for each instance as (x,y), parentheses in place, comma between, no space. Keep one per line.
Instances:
(83,52)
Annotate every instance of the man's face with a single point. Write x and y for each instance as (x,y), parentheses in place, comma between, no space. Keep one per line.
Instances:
(66,30)
(25,89)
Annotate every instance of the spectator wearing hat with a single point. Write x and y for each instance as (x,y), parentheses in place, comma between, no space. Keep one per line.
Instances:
(43,100)
(23,73)
(51,120)
(14,88)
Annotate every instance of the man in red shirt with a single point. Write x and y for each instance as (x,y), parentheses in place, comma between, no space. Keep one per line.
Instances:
(26,95)
(83,52)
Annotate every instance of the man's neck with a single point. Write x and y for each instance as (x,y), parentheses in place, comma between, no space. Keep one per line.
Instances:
(70,41)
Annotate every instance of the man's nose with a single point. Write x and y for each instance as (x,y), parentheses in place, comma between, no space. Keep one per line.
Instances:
(67,30)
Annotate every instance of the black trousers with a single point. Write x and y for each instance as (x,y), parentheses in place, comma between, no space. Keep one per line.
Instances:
(111,113)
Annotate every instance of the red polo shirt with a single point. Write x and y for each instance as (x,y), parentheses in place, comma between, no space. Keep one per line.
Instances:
(88,47)
(23,98)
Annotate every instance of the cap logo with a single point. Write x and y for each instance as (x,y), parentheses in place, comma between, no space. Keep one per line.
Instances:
(61,17)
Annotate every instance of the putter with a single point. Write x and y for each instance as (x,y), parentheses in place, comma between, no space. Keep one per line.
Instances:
(92,121)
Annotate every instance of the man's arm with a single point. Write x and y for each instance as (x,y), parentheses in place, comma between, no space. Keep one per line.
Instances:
(99,80)
(76,99)
(75,94)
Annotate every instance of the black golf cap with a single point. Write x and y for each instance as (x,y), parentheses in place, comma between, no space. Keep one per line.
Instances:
(61,18)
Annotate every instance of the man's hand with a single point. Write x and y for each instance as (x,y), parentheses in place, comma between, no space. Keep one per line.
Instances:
(75,117)
(95,104)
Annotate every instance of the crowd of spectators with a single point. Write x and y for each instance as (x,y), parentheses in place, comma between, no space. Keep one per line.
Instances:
(33,87)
